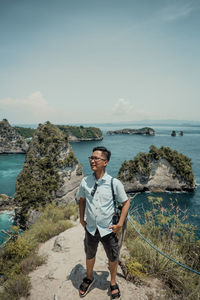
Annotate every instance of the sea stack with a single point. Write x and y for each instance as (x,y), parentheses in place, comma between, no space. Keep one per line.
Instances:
(51,172)
(162,169)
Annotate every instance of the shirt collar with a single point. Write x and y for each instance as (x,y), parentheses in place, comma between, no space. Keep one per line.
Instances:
(104,178)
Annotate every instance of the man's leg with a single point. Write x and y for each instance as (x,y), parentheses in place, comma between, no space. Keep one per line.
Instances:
(91,244)
(110,243)
(89,267)
(113,272)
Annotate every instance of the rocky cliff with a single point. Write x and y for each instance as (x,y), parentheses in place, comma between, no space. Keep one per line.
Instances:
(142,131)
(51,172)
(160,170)
(10,140)
(6,202)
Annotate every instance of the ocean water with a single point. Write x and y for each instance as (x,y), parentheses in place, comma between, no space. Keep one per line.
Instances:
(125,147)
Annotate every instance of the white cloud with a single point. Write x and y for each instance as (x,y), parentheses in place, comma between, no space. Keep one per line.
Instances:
(33,109)
(122,108)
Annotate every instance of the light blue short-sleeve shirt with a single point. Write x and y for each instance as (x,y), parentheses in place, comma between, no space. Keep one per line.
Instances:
(100,207)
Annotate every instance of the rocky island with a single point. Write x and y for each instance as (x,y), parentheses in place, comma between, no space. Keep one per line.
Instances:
(10,140)
(81,133)
(51,173)
(162,169)
(74,133)
(142,131)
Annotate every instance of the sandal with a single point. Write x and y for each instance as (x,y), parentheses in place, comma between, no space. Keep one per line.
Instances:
(115,295)
(85,286)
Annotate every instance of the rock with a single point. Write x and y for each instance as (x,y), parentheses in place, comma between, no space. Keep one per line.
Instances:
(161,170)
(10,140)
(70,183)
(142,131)
(51,172)
(180,133)
(6,202)
(173,133)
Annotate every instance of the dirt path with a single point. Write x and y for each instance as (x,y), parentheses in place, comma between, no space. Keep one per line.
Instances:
(61,276)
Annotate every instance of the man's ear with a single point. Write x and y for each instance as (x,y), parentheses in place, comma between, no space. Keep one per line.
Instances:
(105,162)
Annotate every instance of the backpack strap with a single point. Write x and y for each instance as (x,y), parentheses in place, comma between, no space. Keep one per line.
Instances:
(113,193)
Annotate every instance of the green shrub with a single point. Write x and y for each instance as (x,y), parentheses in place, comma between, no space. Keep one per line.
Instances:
(15,288)
(166,230)
(25,132)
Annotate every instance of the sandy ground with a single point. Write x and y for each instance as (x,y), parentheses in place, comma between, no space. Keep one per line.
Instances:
(60,277)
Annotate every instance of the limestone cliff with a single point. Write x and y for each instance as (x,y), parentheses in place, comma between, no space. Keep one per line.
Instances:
(10,140)
(160,170)
(51,172)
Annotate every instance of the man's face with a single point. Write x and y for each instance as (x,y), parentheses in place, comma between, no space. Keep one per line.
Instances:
(98,161)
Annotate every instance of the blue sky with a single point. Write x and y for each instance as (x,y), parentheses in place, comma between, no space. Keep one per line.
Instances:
(73,61)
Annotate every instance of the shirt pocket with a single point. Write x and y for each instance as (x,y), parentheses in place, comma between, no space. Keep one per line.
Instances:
(105,198)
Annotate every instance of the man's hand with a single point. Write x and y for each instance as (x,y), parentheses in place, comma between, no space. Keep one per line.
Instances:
(115,228)
(83,223)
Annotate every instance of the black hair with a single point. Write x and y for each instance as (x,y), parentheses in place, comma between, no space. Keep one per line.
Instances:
(105,151)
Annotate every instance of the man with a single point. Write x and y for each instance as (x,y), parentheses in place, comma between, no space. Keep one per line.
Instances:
(96,200)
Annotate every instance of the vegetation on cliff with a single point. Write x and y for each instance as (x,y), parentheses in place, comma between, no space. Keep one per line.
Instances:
(78,132)
(39,179)
(166,229)
(19,256)
(81,132)
(25,132)
(142,164)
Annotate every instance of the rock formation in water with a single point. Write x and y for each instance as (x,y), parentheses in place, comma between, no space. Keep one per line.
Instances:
(81,133)
(142,131)
(173,133)
(6,202)
(10,140)
(161,169)
(51,172)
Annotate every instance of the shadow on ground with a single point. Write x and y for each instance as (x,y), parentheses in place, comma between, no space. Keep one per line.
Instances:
(78,273)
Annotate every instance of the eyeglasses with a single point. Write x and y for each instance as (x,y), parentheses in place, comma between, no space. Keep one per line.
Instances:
(95,158)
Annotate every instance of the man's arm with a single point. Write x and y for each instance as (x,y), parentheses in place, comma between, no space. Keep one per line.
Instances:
(124,212)
(82,211)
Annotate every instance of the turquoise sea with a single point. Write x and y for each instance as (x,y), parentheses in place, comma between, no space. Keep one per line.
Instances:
(124,147)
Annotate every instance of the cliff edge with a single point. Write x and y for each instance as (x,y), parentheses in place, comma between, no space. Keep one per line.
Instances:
(60,277)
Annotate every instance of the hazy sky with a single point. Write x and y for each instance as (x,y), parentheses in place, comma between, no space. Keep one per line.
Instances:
(73,61)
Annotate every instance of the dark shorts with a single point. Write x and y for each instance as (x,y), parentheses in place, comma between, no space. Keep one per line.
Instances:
(109,241)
